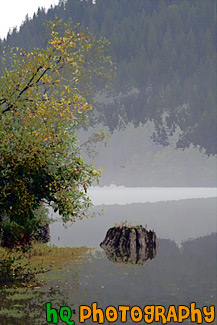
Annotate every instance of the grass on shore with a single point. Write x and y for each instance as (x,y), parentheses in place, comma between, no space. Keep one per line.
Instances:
(16,266)
(56,257)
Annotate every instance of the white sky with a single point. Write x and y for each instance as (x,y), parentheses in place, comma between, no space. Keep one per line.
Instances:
(13,12)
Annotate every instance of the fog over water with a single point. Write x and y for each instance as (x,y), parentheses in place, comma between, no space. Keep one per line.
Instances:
(126,195)
(151,132)
(173,213)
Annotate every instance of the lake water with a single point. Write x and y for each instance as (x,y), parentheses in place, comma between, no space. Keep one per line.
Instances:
(112,194)
(174,213)
(183,271)
(185,267)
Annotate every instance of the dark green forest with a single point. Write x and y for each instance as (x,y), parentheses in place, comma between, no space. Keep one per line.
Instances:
(165,53)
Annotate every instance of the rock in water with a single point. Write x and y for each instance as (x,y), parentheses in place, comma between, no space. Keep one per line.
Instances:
(130,244)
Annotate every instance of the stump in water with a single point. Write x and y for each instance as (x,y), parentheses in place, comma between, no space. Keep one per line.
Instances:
(130,244)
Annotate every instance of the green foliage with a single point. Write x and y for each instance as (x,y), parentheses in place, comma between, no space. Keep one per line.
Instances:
(19,268)
(43,101)
(16,268)
(166,50)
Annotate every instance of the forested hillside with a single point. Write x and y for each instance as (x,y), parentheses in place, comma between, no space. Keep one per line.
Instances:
(131,158)
(165,52)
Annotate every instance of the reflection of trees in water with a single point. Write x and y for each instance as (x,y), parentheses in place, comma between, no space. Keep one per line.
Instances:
(27,305)
(177,220)
(200,255)
(130,244)
(188,274)
(175,277)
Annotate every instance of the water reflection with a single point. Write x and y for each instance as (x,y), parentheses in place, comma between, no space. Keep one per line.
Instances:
(177,276)
(133,245)
(113,194)
(176,220)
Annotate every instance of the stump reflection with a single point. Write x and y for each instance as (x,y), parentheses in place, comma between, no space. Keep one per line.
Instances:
(133,245)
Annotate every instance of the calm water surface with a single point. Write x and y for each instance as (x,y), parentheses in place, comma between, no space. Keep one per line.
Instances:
(185,268)
(183,271)
(174,213)
(125,195)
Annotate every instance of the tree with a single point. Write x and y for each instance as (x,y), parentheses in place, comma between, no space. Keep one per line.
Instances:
(43,100)
(178,40)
